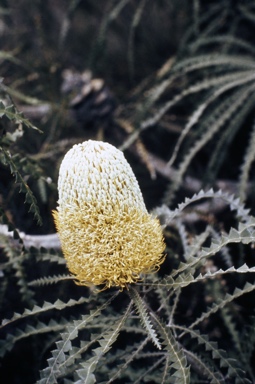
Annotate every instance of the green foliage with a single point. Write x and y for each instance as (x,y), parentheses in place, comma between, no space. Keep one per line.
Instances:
(29,197)
(187,351)
(141,309)
(13,161)
(185,113)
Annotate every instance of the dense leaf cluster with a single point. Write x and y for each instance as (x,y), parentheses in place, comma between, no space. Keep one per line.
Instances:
(182,77)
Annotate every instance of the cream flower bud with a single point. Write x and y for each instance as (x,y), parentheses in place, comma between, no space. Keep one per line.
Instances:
(107,235)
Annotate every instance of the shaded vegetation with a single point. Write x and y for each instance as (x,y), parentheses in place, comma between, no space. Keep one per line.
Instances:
(172,85)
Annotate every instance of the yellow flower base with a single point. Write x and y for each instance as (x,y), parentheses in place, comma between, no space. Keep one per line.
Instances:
(110,247)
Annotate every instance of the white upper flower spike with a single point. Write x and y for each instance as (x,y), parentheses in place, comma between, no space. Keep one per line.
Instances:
(106,233)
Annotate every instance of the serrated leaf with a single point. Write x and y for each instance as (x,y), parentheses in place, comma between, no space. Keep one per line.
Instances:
(57,364)
(175,353)
(144,317)
(19,179)
(36,310)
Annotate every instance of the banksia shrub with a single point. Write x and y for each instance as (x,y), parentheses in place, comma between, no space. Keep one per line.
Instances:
(107,236)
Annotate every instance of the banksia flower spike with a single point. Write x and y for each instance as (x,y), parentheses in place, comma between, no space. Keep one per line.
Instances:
(108,237)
